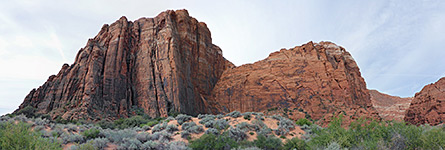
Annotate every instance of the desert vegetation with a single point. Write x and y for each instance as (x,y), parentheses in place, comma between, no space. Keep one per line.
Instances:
(234,130)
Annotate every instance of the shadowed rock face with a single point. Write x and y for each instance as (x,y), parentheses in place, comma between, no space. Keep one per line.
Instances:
(162,64)
(428,105)
(389,107)
(316,80)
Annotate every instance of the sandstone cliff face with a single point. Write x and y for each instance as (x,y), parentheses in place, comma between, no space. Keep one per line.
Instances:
(389,107)
(316,80)
(161,64)
(169,64)
(428,105)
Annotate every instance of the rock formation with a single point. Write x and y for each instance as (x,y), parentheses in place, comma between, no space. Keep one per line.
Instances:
(389,107)
(169,64)
(428,105)
(315,80)
(162,64)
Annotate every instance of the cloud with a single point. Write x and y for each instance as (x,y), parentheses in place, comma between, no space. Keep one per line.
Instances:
(396,43)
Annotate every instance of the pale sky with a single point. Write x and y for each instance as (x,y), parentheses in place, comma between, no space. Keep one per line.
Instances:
(398,44)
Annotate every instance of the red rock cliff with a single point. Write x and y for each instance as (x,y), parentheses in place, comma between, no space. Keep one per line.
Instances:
(316,80)
(162,64)
(428,105)
(389,107)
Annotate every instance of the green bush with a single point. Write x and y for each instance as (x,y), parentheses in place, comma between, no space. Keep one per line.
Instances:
(269,143)
(19,136)
(303,121)
(91,133)
(296,143)
(130,122)
(212,142)
(28,111)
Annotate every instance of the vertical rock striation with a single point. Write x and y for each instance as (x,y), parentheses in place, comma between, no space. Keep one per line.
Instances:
(162,64)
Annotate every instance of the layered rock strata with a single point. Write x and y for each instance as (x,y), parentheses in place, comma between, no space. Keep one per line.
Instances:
(389,107)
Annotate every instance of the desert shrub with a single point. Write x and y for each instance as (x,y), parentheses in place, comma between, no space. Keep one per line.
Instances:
(269,143)
(236,134)
(149,145)
(258,125)
(188,125)
(265,131)
(277,117)
(28,111)
(207,118)
(185,134)
(91,133)
(221,124)
(116,136)
(247,116)
(104,124)
(40,121)
(433,138)
(181,118)
(72,138)
(219,116)
(244,126)
(39,128)
(130,122)
(150,123)
(303,121)
(84,146)
(171,128)
(333,146)
(21,118)
(143,137)
(296,143)
(211,142)
(159,127)
(130,144)
(258,117)
(191,127)
(162,136)
(145,128)
(234,114)
(212,131)
(284,126)
(177,145)
(99,143)
(19,136)
(71,128)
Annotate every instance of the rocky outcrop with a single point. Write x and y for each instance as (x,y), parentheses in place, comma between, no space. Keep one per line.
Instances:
(389,107)
(169,64)
(315,80)
(160,65)
(428,105)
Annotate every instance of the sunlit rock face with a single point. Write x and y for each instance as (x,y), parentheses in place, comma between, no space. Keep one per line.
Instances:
(316,80)
(160,65)
(168,64)
(428,105)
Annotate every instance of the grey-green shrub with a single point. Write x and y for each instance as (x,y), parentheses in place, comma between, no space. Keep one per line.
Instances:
(130,144)
(212,131)
(234,114)
(236,134)
(181,118)
(99,143)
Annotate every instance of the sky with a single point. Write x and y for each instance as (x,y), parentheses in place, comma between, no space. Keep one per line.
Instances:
(398,44)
